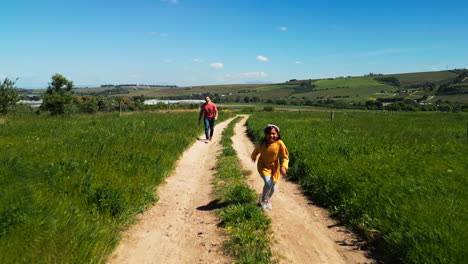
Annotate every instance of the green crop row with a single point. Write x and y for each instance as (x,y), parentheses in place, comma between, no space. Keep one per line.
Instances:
(399,180)
(70,185)
(243,221)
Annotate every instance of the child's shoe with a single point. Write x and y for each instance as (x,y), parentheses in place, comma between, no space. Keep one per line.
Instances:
(264,206)
(268,206)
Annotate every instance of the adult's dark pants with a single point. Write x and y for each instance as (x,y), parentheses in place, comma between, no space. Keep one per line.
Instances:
(209,127)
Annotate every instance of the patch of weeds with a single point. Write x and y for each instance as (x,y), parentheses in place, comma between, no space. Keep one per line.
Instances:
(248,213)
(244,222)
(108,199)
(248,244)
(239,193)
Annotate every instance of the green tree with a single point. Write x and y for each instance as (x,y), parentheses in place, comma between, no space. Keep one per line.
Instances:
(8,95)
(58,95)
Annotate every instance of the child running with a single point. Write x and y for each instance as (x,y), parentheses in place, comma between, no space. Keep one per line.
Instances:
(270,148)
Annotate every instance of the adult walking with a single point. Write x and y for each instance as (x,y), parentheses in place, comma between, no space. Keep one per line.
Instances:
(210,113)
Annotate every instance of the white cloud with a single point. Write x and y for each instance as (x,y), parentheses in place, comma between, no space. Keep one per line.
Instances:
(171,1)
(262,58)
(245,76)
(434,68)
(298,62)
(163,35)
(152,33)
(217,65)
(197,60)
(283,28)
(253,74)
(168,61)
(134,76)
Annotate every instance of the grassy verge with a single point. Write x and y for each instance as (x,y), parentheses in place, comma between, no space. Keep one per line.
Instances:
(400,180)
(243,221)
(71,184)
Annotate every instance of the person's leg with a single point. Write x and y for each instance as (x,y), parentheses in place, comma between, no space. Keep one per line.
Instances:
(268,188)
(207,127)
(272,189)
(212,125)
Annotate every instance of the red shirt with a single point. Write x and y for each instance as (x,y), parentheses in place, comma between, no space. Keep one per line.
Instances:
(209,110)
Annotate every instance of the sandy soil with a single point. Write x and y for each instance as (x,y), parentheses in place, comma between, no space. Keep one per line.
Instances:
(304,233)
(180,227)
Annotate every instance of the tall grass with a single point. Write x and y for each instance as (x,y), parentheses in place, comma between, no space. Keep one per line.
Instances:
(400,180)
(71,184)
(243,221)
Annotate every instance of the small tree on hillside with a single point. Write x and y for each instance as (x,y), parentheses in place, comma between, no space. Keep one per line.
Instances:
(58,95)
(8,95)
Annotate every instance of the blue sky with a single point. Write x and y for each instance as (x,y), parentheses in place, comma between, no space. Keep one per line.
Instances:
(203,42)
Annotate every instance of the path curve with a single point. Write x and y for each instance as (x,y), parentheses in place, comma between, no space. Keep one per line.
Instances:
(179,228)
(304,233)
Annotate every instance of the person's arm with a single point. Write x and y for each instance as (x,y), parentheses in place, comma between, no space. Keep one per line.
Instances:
(200,114)
(255,152)
(216,112)
(285,154)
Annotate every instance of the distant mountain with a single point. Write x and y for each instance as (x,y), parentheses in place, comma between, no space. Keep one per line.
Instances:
(258,82)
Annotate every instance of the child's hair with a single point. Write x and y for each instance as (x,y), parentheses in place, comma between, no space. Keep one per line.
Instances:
(268,129)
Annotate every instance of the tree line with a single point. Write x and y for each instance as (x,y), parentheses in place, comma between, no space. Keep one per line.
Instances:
(59,99)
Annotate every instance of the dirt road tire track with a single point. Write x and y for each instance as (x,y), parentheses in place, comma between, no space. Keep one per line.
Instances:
(304,233)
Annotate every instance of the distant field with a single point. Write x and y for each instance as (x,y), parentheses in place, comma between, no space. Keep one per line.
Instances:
(419,77)
(273,87)
(187,91)
(460,98)
(259,107)
(274,92)
(123,91)
(357,94)
(348,82)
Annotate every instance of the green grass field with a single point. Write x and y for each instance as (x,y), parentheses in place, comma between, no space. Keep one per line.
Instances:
(187,91)
(400,180)
(419,77)
(355,94)
(347,82)
(71,184)
(348,89)
(271,87)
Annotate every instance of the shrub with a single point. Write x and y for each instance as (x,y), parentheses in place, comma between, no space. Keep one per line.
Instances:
(8,96)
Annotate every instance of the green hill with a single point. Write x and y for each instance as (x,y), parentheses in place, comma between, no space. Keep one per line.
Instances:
(423,87)
(346,90)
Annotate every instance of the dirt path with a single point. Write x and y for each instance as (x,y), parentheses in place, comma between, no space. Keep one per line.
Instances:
(303,232)
(179,228)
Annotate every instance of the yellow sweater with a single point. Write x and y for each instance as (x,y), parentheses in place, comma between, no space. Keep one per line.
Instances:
(268,162)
